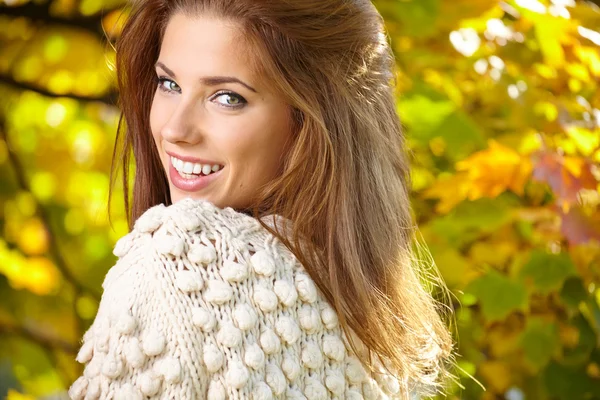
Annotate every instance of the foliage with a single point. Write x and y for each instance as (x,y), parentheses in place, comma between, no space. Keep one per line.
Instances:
(501,107)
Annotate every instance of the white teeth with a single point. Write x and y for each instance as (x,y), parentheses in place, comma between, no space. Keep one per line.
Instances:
(178,164)
(194,168)
(188,167)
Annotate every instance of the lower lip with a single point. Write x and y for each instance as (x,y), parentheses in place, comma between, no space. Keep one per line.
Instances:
(191,185)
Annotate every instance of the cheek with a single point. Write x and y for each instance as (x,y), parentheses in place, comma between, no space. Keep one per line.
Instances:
(259,151)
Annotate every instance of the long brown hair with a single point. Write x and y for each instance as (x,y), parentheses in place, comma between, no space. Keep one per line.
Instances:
(345,182)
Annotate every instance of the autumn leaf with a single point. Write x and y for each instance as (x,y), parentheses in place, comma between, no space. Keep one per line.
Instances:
(551,33)
(566,175)
(580,227)
(589,56)
(482,86)
(497,374)
(451,191)
(495,170)
(486,173)
(587,141)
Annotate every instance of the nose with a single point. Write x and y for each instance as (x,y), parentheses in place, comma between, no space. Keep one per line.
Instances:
(183,124)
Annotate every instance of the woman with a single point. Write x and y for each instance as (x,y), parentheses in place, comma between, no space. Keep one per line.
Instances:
(271,246)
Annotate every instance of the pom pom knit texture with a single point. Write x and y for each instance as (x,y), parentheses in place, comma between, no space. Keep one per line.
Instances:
(204,303)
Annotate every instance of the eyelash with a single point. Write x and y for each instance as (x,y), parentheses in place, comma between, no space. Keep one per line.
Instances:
(161,79)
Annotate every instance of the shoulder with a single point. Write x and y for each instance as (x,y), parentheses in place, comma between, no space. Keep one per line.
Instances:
(205,303)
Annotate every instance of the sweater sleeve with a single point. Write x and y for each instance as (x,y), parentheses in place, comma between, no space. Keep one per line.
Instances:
(204,303)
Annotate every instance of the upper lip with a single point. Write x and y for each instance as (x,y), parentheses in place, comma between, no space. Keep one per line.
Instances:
(193,159)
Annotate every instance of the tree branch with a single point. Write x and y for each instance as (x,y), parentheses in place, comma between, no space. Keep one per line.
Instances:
(49,343)
(110,98)
(53,245)
(41,13)
(46,341)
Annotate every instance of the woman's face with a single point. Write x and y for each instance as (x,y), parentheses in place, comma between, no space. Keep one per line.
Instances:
(219,131)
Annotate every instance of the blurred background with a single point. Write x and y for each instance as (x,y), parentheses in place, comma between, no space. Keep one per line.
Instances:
(501,107)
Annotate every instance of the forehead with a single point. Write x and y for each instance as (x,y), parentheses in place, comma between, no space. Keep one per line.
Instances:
(207,45)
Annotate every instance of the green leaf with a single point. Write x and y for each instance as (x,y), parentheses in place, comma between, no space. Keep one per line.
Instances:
(417,17)
(573,292)
(540,341)
(33,367)
(498,295)
(420,124)
(566,383)
(547,271)
(579,355)
(461,135)
(469,220)
(458,131)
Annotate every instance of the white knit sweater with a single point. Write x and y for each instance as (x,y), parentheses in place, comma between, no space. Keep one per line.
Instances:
(204,303)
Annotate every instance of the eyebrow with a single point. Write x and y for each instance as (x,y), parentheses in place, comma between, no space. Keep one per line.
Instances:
(209,80)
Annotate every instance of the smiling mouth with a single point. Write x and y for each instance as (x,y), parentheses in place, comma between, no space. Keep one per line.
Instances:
(190,170)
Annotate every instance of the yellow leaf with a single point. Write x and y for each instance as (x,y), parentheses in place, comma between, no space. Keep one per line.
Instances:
(33,238)
(495,253)
(547,109)
(569,335)
(502,340)
(590,57)
(420,178)
(455,269)
(530,142)
(42,276)
(550,32)
(113,22)
(494,170)
(479,23)
(14,395)
(497,375)
(585,140)
(578,71)
(36,274)
(574,85)
(437,145)
(574,165)
(486,173)
(545,71)
(593,370)
(26,203)
(450,191)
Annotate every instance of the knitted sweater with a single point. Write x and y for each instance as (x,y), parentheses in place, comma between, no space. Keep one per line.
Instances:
(204,303)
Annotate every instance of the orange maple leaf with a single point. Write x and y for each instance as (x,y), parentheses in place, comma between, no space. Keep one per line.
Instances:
(486,173)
